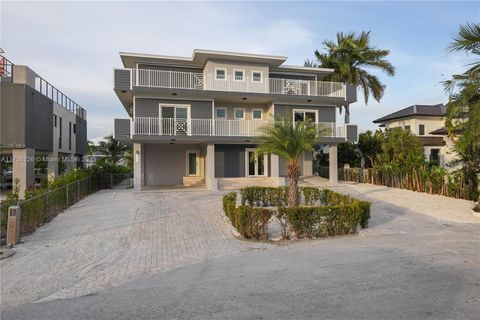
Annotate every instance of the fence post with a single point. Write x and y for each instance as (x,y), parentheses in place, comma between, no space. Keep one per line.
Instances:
(78,190)
(67,194)
(13,225)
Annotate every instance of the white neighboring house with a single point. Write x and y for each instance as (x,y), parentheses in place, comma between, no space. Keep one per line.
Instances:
(91,159)
(428,123)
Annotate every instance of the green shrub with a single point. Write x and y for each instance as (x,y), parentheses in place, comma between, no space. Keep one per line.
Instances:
(311,195)
(264,196)
(314,222)
(229,204)
(327,213)
(252,223)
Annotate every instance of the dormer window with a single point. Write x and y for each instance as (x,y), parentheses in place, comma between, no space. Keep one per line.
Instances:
(220,74)
(239,75)
(257,76)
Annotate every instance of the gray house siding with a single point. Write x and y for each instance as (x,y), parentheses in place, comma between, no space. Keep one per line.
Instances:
(325,114)
(230,160)
(351,93)
(352,133)
(122,129)
(150,107)
(81,136)
(26,118)
(122,79)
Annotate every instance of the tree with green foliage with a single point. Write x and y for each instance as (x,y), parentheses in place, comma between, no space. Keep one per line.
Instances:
(114,150)
(463,108)
(351,56)
(370,145)
(289,140)
(400,149)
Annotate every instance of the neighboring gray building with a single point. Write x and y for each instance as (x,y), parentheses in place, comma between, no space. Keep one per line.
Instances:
(38,122)
(193,120)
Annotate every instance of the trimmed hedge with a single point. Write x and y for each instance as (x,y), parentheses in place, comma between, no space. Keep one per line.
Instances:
(251,222)
(325,213)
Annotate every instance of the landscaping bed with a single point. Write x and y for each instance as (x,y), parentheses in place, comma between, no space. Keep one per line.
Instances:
(263,213)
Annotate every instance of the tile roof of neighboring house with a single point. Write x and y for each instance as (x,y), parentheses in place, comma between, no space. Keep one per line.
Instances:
(437,110)
(444,131)
(432,141)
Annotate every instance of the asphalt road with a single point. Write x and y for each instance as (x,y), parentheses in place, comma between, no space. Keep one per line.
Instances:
(430,272)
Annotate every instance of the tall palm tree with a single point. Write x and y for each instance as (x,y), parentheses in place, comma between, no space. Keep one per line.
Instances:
(113,149)
(350,56)
(289,141)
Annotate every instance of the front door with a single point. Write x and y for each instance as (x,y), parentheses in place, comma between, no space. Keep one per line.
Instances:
(256,165)
(193,163)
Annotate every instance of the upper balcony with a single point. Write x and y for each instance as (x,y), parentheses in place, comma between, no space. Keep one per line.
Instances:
(127,79)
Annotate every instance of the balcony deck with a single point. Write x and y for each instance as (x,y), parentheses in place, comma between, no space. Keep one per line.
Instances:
(148,78)
(149,126)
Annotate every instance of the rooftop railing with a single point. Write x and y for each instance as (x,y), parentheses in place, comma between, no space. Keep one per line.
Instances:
(32,79)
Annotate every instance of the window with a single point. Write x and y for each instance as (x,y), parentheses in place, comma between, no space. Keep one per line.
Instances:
(220,113)
(74,129)
(257,76)
(55,120)
(407,128)
(220,74)
(421,129)
(69,136)
(257,114)
(60,134)
(305,115)
(239,75)
(239,113)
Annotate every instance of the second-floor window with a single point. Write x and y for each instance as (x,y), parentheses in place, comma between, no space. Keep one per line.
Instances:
(239,75)
(257,114)
(421,129)
(55,120)
(220,113)
(220,74)
(239,113)
(257,76)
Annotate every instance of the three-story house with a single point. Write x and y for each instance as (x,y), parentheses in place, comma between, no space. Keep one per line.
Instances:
(193,120)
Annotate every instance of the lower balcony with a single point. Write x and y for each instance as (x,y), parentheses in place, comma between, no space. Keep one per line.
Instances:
(148,126)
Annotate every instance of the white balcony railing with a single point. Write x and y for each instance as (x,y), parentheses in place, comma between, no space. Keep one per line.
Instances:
(199,81)
(216,127)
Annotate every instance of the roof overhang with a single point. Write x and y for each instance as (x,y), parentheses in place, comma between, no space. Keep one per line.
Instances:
(200,57)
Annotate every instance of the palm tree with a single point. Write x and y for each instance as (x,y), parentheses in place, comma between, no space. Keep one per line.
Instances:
(113,149)
(463,108)
(350,56)
(289,141)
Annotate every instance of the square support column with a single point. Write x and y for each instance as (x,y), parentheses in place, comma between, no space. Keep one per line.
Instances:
(23,169)
(333,164)
(52,165)
(210,180)
(138,166)
(275,170)
(308,164)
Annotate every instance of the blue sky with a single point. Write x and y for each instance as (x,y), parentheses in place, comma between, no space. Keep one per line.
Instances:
(75,45)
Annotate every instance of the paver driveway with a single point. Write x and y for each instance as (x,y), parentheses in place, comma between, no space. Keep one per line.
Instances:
(113,237)
(418,259)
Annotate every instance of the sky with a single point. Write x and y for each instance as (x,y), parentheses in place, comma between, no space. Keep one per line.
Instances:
(75,45)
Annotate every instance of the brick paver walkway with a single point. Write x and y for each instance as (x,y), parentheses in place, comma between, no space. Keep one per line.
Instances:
(111,238)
